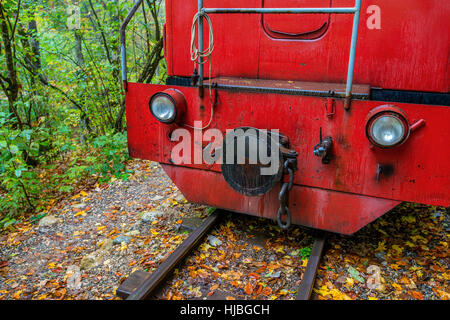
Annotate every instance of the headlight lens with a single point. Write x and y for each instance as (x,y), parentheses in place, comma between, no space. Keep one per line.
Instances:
(387,130)
(163,108)
(168,106)
(387,126)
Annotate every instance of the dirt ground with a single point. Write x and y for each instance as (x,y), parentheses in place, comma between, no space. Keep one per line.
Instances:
(88,244)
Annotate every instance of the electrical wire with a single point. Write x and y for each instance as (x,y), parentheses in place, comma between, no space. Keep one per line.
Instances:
(205,55)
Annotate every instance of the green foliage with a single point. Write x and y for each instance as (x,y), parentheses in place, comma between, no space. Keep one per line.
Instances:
(62,119)
(305,252)
(111,158)
(17,148)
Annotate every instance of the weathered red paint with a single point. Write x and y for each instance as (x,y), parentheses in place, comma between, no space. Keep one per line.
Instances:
(409,52)
(316,208)
(420,165)
(254,51)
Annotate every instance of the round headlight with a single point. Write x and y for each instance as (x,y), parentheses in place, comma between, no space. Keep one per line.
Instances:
(387,131)
(168,106)
(163,108)
(387,128)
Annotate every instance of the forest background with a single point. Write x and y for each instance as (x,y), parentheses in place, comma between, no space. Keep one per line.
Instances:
(62,110)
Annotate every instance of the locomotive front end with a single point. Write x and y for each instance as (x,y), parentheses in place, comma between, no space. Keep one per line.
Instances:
(324,125)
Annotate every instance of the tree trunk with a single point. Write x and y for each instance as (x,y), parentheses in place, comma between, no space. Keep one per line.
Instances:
(79,47)
(10,83)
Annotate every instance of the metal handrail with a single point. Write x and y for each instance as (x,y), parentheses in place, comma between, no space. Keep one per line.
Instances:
(123,47)
(356,10)
(351,65)
(278,10)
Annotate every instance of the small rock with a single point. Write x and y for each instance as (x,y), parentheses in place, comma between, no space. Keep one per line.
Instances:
(94,259)
(42,283)
(341,279)
(121,239)
(166,204)
(153,164)
(214,241)
(88,262)
(180,198)
(276,274)
(151,216)
(133,233)
(157,198)
(140,244)
(73,278)
(380,255)
(136,225)
(48,221)
(107,244)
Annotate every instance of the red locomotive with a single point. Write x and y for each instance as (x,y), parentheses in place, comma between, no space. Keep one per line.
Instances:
(358,92)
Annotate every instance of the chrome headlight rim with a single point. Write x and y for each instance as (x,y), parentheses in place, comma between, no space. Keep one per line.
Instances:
(387,111)
(169,97)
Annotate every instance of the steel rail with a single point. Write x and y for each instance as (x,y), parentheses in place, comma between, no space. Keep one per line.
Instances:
(165,269)
(308,280)
(141,285)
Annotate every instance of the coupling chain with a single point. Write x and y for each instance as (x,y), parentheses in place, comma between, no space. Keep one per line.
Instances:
(284,214)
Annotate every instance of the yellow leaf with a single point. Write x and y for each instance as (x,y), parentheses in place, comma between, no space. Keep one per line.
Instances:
(332,293)
(409,219)
(397,249)
(80,213)
(304,263)
(381,246)
(214,287)
(51,265)
(83,194)
(443,295)
(395,267)
(256,248)
(373,298)
(154,232)
(419,238)
(349,282)
(397,287)
(17,294)
(100,228)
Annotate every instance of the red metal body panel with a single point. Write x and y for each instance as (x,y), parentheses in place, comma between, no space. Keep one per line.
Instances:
(316,208)
(409,52)
(420,170)
(412,44)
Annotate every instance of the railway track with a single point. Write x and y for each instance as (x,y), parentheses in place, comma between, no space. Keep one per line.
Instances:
(142,285)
